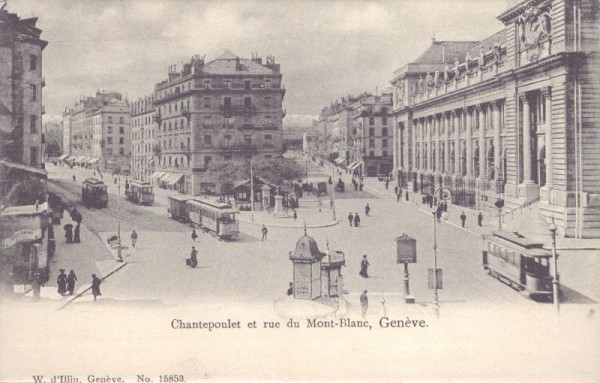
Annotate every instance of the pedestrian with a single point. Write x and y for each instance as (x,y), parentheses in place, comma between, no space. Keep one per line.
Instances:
(61,282)
(396,190)
(320,204)
(96,282)
(290,290)
(479,219)
(295,215)
(350,219)
(438,213)
(367,210)
(69,233)
(74,179)
(71,279)
(331,204)
(364,304)
(387,183)
(398,195)
(360,186)
(36,286)
(356,220)
(194,235)
(364,267)
(134,237)
(193,260)
(264,231)
(407,196)
(463,218)
(76,238)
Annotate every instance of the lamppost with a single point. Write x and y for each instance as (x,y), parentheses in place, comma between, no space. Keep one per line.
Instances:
(445,195)
(555,283)
(119,254)
(499,201)
(333,193)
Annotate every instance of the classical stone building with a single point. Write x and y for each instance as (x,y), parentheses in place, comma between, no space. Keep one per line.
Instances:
(143,130)
(225,109)
(373,137)
(98,130)
(21,83)
(513,116)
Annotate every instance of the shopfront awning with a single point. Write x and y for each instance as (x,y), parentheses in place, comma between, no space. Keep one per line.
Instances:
(354,165)
(172,178)
(62,157)
(339,161)
(157,175)
(93,160)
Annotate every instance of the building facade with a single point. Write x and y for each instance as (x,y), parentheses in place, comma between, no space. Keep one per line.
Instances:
(373,138)
(226,109)
(511,117)
(53,136)
(143,129)
(98,132)
(21,83)
(338,132)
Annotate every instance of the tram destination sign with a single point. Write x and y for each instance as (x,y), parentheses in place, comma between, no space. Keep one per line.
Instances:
(406,249)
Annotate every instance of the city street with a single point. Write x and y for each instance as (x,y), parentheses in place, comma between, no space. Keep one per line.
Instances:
(255,273)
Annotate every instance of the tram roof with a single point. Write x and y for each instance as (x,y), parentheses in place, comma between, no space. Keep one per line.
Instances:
(219,206)
(94,182)
(518,243)
(180,198)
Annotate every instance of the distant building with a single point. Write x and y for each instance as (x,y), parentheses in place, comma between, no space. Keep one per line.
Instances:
(143,131)
(53,134)
(373,124)
(225,109)
(513,116)
(21,83)
(338,133)
(292,137)
(310,139)
(99,133)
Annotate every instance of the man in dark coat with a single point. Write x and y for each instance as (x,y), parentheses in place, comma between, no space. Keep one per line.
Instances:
(61,282)
(290,290)
(367,210)
(264,231)
(194,235)
(96,282)
(479,219)
(463,218)
(193,261)
(356,220)
(76,237)
(71,279)
(364,266)
(350,219)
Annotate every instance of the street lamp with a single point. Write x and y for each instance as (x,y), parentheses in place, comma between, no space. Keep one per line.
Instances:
(119,254)
(445,195)
(499,202)
(555,285)
(333,193)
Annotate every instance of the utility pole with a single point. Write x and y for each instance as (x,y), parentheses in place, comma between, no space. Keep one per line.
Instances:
(251,190)
(119,254)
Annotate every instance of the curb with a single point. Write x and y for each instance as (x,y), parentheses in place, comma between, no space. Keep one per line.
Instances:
(79,294)
(332,223)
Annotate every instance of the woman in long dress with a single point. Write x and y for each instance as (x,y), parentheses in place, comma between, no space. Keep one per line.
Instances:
(71,279)
(61,281)
(96,286)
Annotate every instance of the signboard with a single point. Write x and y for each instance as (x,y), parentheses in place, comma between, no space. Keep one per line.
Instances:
(445,194)
(406,249)
(20,228)
(438,281)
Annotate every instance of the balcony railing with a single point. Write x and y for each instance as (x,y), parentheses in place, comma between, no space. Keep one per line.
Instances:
(237,147)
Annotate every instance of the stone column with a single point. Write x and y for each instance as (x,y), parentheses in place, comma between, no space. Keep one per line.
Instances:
(469,142)
(456,117)
(497,148)
(549,145)
(482,148)
(437,128)
(526,141)
(416,129)
(447,118)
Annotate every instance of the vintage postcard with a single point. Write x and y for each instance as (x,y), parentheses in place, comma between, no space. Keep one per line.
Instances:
(299,190)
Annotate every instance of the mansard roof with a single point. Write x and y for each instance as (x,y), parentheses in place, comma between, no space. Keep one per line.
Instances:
(441,52)
(487,43)
(230,64)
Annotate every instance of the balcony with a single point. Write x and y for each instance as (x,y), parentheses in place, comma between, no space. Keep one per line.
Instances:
(236,147)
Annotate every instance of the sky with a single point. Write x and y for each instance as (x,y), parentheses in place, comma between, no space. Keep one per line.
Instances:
(327,49)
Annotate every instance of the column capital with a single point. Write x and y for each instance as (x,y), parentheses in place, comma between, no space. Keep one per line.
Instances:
(454,112)
(547,92)
(495,105)
(465,110)
(480,107)
(523,98)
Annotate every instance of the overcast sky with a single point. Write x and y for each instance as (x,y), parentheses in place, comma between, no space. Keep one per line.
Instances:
(326,49)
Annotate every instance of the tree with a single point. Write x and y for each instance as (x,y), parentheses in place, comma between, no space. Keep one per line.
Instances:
(279,170)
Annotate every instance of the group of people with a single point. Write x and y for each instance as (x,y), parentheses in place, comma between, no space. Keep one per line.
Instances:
(73,235)
(358,186)
(66,283)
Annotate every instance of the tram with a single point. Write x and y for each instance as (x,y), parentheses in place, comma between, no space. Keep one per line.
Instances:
(519,262)
(216,217)
(140,193)
(94,193)
(178,208)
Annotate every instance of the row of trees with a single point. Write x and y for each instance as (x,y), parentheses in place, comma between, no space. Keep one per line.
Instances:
(276,171)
